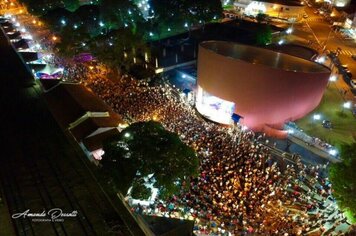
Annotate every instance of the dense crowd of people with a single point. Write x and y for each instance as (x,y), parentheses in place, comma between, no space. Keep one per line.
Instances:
(240,188)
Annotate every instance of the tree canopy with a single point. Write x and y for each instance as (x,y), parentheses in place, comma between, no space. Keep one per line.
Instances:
(343,179)
(263,35)
(183,14)
(145,150)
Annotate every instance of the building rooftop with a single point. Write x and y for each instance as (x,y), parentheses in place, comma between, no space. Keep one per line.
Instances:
(263,57)
(69,102)
(283,2)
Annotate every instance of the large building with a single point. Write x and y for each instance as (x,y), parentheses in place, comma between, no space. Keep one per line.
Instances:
(289,9)
(263,87)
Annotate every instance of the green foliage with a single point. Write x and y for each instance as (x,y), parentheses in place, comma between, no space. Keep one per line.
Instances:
(118,14)
(343,179)
(261,17)
(263,35)
(139,190)
(146,148)
(118,48)
(71,5)
(171,13)
(71,42)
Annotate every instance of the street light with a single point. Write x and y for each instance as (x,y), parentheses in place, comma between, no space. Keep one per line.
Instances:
(333,78)
(347,105)
(127,135)
(333,152)
(280,42)
(320,59)
(316,117)
(289,30)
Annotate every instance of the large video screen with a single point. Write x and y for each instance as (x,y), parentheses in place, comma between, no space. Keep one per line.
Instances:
(214,108)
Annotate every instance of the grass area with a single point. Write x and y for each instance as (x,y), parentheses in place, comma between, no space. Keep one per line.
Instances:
(330,108)
(228,7)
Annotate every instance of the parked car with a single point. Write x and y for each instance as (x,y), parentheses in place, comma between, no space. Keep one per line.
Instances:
(327,124)
(349,74)
(305,16)
(353,83)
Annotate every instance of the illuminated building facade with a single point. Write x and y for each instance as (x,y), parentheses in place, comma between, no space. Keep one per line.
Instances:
(282,9)
(264,87)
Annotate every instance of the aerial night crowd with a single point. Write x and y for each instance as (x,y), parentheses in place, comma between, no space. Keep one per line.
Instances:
(240,188)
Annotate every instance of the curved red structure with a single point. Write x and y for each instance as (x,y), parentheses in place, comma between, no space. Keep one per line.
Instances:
(266,88)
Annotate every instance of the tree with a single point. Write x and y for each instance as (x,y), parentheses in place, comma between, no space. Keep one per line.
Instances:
(343,178)
(118,14)
(184,13)
(261,17)
(146,151)
(71,5)
(119,48)
(263,35)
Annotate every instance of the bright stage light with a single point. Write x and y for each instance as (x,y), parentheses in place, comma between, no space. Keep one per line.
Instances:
(214,108)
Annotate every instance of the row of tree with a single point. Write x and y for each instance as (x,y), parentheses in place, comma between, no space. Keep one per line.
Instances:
(343,178)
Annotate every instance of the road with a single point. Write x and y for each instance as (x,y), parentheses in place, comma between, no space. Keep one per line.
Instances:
(316,29)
